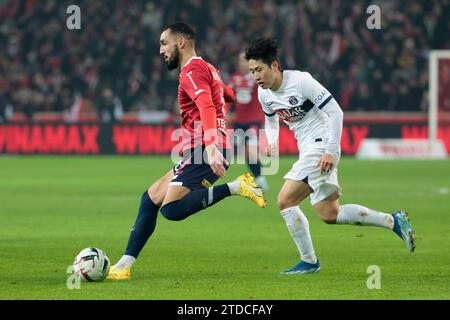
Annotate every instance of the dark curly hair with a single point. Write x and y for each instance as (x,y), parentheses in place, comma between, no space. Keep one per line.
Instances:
(265,49)
(183,29)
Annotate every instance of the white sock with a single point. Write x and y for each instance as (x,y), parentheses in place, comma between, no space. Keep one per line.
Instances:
(298,227)
(234,186)
(261,180)
(359,215)
(125,261)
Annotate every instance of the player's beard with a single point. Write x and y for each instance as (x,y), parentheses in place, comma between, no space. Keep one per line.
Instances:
(173,62)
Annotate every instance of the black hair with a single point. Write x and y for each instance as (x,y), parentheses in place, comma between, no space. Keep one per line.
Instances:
(265,49)
(183,29)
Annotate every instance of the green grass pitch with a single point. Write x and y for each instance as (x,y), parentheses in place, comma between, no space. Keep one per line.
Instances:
(52,207)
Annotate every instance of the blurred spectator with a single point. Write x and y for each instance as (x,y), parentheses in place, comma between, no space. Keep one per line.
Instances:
(110,107)
(6,109)
(45,66)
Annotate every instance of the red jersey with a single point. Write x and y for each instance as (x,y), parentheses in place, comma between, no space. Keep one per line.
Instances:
(247,108)
(201,99)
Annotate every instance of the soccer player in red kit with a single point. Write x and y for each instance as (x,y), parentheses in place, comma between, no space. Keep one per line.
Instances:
(187,187)
(248,118)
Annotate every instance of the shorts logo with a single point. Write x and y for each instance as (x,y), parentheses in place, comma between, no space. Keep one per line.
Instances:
(178,169)
(206,183)
(293,101)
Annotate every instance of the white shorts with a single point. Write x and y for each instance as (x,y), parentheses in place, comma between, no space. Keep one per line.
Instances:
(306,169)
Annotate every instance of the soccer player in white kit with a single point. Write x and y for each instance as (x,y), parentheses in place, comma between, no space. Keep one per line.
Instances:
(316,120)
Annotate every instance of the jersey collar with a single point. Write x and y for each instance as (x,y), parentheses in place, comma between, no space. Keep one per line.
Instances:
(194,57)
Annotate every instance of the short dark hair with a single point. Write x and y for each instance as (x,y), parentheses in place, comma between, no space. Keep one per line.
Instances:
(265,49)
(183,29)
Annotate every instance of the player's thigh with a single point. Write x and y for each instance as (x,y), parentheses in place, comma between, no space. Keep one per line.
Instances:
(190,176)
(158,190)
(175,193)
(328,209)
(292,193)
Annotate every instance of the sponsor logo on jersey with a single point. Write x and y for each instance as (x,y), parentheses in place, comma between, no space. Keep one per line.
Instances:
(320,97)
(291,115)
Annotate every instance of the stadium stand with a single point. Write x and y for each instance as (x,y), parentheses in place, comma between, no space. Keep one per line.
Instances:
(50,72)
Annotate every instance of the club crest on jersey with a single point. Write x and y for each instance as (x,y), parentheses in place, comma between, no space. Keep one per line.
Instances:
(293,101)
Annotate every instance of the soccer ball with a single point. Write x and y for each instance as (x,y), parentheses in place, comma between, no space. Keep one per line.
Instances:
(91,264)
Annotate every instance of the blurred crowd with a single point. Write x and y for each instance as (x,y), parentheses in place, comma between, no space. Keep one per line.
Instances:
(113,62)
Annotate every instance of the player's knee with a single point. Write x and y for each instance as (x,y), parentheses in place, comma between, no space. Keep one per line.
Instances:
(329,219)
(329,215)
(171,211)
(285,202)
(156,194)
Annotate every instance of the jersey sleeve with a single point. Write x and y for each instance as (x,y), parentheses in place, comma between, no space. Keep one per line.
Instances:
(268,111)
(314,91)
(336,116)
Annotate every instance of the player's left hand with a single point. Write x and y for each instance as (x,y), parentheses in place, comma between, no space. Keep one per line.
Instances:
(216,160)
(326,163)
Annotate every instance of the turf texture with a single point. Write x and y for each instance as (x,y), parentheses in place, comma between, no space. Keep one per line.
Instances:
(52,207)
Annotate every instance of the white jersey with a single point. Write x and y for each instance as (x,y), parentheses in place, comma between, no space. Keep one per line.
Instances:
(298,102)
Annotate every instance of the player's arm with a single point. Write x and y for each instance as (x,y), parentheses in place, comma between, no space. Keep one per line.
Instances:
(198,87)
(271,128)
(334,112)
(323,99)
(208,117)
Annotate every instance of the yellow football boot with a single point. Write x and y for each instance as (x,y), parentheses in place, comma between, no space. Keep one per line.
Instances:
(115,274)
(249,189)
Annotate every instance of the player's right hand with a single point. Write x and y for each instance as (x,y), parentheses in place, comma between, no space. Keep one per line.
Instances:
(216,160)
(271,150)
